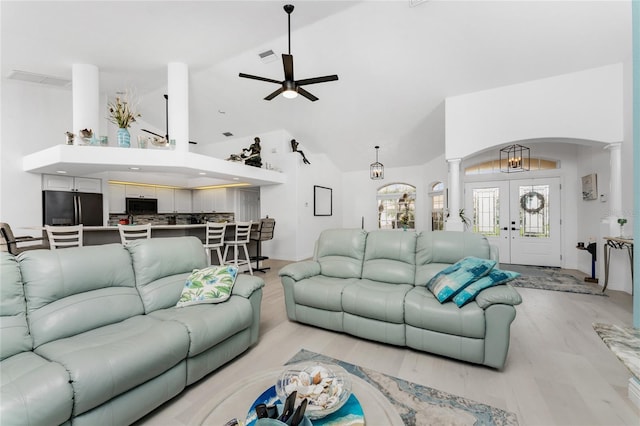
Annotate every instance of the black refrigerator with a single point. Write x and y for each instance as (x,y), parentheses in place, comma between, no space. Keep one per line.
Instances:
(71,208)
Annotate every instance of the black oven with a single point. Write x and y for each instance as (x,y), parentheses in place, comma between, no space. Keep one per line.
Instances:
(142,206)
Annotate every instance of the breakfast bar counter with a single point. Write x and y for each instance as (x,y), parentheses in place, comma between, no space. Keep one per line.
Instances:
(95,235)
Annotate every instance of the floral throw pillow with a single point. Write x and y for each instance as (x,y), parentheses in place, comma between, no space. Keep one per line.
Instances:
(208,285)
(448,282)
(495,277)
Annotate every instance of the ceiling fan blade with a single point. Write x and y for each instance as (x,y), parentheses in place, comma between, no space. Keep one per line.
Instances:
(287,61)
(274,94)
(255,77)
(316,80)
(306,94)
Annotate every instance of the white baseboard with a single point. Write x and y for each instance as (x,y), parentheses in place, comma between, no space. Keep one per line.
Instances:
(634,391)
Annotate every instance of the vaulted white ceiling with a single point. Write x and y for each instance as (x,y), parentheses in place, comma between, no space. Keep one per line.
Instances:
(396,63)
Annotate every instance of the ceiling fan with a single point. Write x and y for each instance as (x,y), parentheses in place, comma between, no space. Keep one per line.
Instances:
(164,140)
(290,88)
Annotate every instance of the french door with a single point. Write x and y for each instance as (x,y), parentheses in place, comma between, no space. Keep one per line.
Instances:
(521,217)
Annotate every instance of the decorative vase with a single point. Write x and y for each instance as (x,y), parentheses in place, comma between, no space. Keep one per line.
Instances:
(124,138)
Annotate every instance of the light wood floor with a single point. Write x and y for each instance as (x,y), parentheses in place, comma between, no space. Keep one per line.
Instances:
(558,371)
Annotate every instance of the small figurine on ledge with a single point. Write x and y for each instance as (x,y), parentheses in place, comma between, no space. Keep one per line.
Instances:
(253,159)
(294,148)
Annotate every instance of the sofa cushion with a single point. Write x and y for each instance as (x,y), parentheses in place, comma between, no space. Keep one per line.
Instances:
(321,292)
(447,247)
(375,300)
(390,257)
(161,267)
(208,324)
(340,252)
(34,391)
(208,285)
(14,331)
(108,361)
(77,289)
(495,277)
(448,282)
(423,310)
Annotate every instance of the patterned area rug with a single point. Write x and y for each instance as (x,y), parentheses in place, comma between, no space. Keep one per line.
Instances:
(624,342)
(421,405)
(544,278)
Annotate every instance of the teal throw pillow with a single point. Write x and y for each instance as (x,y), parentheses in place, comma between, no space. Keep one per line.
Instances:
(448,282)
(495,277)
(208,285)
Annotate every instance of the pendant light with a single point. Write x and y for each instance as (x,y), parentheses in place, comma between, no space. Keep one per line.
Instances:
(515,158)
(377,169)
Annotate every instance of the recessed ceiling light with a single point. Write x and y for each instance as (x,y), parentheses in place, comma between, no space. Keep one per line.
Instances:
(61,171)
(134,168)
(202,173)
(235,178)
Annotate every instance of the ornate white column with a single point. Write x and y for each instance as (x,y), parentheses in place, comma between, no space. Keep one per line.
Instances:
(453,222)
(615,188)
(178,91)
(86,99)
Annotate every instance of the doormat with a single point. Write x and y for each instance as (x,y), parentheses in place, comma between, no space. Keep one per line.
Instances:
(420,405)
(545,278)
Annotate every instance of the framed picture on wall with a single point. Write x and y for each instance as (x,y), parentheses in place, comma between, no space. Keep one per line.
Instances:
(322,201)
(590,187)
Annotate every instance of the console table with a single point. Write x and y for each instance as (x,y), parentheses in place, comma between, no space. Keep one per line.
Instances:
(616,243)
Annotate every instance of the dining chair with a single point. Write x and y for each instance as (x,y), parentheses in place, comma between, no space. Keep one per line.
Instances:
(16,245)
(264,232)
(241,239)
(64,236)
(130,233)
(214,240)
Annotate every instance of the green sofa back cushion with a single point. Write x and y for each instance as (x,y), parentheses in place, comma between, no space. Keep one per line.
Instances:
(14,331)
(390,257)
(340,252)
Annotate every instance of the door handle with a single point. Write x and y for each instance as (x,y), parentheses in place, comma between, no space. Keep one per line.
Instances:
(515,229)
(505,228)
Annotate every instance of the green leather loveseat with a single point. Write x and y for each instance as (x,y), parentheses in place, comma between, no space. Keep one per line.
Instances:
(91,335)
(373,285)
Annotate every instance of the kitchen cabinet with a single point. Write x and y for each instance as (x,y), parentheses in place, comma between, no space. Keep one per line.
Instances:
(165,200)
(140,191)
(71,184)
(117,197)
(182,200)
(210,200)
(173,200)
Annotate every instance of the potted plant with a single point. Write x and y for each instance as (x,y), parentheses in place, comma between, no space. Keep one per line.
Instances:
(621,222)
(122,114)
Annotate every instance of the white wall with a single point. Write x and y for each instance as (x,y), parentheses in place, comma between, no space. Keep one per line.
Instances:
(586,105)
(34,117)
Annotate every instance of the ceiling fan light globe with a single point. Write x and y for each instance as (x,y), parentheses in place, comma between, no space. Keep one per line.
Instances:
(290,94)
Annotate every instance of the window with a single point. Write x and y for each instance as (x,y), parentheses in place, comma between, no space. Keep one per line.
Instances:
(493,166)
(396,206)
(437,206)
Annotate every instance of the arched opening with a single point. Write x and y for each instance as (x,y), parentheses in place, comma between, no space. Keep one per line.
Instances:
(396,206)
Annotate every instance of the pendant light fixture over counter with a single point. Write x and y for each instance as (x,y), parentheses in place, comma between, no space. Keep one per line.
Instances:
(377,168)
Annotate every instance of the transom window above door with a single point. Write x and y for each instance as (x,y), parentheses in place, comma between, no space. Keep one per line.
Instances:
(396,206)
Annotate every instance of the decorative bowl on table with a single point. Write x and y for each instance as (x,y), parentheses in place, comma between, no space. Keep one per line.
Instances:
(326,386)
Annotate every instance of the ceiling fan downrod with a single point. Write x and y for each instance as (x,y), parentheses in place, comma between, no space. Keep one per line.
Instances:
(289,8)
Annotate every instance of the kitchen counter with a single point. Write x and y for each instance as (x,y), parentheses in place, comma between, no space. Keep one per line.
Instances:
(115,227)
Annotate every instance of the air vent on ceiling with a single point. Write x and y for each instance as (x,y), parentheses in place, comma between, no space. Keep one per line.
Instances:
(228,134)
(267,56)
(39,78)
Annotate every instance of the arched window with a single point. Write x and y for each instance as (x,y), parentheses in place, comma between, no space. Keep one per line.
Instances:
(396,206)
(437,206)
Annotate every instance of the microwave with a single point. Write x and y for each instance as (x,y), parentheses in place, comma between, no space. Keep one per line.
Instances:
(142,206)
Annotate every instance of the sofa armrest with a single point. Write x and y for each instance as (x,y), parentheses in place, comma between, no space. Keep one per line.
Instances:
(501,294)
(300,270)
(246,285)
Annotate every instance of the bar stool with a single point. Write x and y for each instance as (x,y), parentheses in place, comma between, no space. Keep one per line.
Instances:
(214,240)
(243,229)
(130,233)
(263,233)
(64,236)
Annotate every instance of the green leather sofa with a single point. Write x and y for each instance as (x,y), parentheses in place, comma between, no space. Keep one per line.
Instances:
(91,335)
(372,285)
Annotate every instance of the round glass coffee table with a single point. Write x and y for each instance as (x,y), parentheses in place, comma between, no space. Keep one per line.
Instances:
(235,400)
